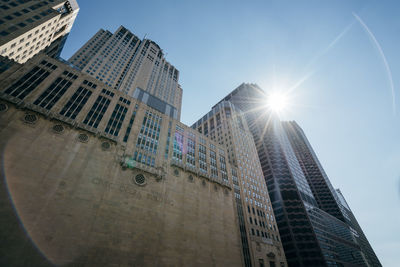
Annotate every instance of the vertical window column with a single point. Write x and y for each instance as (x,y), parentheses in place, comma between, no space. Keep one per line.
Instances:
(55,91)
(129,128)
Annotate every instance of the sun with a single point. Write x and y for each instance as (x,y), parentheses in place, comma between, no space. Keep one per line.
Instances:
(277,101)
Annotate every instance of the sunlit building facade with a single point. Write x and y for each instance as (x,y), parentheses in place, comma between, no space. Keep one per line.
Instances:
(29,27)
(261,244)
(125,62)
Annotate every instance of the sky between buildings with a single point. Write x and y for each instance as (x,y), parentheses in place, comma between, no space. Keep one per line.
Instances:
(340,61)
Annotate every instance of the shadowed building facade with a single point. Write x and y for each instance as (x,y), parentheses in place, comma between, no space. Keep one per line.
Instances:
(28,27)
(311,221)
(93,177)
(368,252)
(328,199)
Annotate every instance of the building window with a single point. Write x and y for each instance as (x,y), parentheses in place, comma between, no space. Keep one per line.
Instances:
(54,92)
(27,83)
(149,133)
(97,111)
(128,129)
(76,102)
(115,122)
(168,140)
(202,157)
(178,144)
(190,156)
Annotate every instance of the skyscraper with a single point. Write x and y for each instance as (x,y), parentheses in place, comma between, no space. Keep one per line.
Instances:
(128,64)
(320,185)
(261,244)
(311,222)
(28,27)
(328,199)
(368,253)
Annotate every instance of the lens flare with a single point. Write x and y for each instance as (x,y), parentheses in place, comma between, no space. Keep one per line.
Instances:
(277,101)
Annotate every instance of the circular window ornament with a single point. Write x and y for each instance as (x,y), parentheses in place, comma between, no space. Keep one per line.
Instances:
(176,172)
(84,138)
(140,179)
(58,128)
(3,107)
(190,178)
(105,146)
(30,118)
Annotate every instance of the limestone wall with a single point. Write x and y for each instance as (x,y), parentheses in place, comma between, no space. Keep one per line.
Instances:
(74,204)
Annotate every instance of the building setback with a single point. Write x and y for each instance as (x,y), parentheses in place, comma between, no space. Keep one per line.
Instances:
(124,62)
(313,228)
(260,239)
(29,27)
(99,178)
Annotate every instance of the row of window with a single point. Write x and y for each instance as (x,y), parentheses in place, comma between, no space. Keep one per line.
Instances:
(264,234)
(51,95)
(27,46)
(144,159)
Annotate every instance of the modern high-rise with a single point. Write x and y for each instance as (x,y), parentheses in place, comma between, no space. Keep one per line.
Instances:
(328,199)
(93,177)
(28,27)
(370,257)
(311,221)
(131,65)
(320,185)
(261,244)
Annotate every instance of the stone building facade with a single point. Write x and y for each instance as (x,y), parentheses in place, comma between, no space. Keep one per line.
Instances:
(93,177)
(260,238)
(124,62)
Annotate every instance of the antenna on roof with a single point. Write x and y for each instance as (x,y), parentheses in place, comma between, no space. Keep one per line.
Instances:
(145,36)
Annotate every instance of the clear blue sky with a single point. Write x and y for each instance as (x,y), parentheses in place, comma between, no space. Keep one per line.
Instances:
(349,52)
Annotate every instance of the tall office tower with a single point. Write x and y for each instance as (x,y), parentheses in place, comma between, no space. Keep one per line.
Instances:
(261,244)
(312,226)
(128,64)
(319,183)
(328,199)
(368,252)
(93,177)
(28,27)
